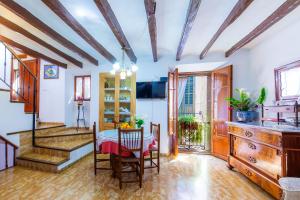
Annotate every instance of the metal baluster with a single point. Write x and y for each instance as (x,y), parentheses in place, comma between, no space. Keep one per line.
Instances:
(23,81)
(4,64)
(34,110)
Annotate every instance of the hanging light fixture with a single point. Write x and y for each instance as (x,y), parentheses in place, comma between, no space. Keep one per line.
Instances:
(134,68)
(124,72)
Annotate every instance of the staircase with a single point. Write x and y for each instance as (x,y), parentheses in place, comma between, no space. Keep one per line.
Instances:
(16,77)
(47,147)
(7,153)
(56,148)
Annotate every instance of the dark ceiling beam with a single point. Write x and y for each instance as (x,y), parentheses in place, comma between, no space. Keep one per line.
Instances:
(287,7)
(190,18)
(150,6)
(31,52)
(237,10)
(64,14)
(35,22)
(22,31)
(114,25)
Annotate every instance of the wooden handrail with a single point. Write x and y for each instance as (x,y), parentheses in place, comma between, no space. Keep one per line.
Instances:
(16,56)
(9,142)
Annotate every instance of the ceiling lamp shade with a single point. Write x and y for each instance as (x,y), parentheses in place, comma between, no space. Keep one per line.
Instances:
(124,71)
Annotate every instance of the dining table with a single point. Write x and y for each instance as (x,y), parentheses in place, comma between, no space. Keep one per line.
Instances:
(108,143)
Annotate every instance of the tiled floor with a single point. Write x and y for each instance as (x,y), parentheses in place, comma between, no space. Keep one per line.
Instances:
(190,176)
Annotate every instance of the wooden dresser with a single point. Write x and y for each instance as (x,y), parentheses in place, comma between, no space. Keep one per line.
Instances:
(264,154)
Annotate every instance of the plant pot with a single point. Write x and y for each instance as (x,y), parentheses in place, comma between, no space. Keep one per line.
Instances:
(246,116)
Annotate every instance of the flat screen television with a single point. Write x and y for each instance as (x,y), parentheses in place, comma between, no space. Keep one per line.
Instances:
(151,90)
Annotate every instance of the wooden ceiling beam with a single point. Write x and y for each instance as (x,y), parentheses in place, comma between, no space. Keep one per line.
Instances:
(150,6)
(189,21)
(237,10)
(287,7)
(22,56)
(22,31)
(64,14)
(37,23)
(31,52)
(114,25)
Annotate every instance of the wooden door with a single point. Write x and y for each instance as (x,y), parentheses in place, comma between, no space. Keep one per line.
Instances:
(221,88)
(22,82)
(34,67)
(173,111)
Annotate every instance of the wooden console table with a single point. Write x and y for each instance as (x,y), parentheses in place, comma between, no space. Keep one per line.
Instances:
(264,153)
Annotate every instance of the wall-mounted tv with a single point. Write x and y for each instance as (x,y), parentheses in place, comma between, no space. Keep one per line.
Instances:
(151,90)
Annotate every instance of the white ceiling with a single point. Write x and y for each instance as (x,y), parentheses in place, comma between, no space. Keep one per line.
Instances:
(170,16)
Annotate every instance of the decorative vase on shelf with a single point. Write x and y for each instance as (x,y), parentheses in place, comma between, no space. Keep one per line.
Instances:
(246,116)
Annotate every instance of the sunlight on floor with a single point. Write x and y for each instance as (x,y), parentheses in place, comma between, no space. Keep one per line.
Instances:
(188,177)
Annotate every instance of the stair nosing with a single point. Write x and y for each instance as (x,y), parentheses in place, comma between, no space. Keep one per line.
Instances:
(41,161)
(62,149)
(37,129)
(73,134)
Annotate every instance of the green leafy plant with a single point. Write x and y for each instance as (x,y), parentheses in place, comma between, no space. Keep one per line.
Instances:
(262,96)
(189,123)
(244,101)
(139,122)
(186,119)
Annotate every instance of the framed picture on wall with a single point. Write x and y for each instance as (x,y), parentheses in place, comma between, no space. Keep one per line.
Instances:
(51,72)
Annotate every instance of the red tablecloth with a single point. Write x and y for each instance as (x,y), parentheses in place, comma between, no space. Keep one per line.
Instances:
(107,142)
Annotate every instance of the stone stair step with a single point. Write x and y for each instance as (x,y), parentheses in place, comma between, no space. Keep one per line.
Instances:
(43,158)
(51,152)
(68,145)
(65,132)
(61,138)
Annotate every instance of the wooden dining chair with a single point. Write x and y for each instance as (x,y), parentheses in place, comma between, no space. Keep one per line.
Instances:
(155,130)
(130,141)
(97,154)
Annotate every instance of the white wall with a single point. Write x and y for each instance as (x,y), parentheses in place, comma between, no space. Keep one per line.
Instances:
(52,96)
(252,69)
(271,52)
(277,51)
(151,110)
(13,117)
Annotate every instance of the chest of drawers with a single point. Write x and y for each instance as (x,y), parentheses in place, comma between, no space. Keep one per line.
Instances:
(263,154)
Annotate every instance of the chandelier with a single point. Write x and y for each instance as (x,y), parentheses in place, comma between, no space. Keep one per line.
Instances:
(122,69)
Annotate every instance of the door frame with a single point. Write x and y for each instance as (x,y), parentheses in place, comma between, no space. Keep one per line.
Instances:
(173,131)
(229,116)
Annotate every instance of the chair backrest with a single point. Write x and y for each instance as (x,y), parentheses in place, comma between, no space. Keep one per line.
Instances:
(94,136)
(117,125)
(131,140)
(155,130)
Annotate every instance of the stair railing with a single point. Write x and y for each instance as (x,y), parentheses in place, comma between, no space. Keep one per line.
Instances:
(15,68)
(8,160)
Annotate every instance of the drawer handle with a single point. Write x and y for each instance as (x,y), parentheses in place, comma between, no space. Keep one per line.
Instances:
(248,173)
(251,146)
(248,134)
(252,159)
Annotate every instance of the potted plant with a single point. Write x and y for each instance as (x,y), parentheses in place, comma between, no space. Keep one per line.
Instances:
(189,130)
(188,122)
(245,108)
(139,122)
